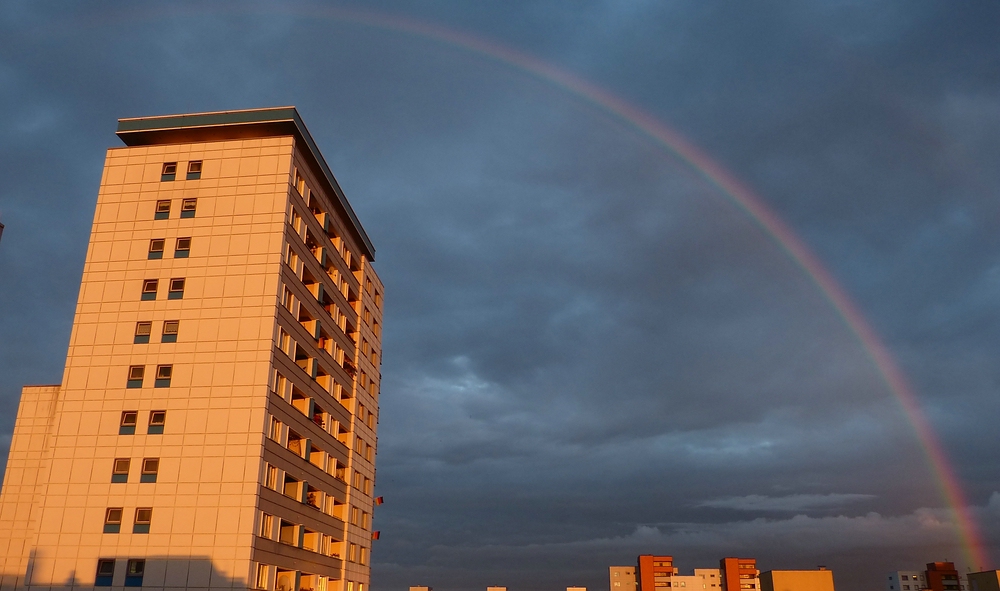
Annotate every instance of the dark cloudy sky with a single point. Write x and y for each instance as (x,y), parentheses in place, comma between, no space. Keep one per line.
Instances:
(590,352)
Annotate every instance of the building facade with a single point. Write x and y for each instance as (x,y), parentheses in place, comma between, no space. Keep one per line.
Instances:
(984,581)
(797,580)
(703,579)
(621,578)
(216,422)
(739,574)
(654,572)
(939,576)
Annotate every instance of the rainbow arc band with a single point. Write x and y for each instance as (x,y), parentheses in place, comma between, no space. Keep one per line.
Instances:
(743,198)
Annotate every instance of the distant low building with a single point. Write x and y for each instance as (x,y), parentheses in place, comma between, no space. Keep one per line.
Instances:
(984,581)
(797,580)
(496,589)
(654,572)
(939,576)
(621,578)
(739,574)
(906,580)
(576,589)
(421,588)
(703,579)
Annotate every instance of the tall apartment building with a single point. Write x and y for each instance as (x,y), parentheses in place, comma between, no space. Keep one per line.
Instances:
(215,427)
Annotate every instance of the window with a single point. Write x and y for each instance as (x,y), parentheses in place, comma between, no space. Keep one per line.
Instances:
(119,471)
(135,375)
(127,426)
(194,170)
(364,556)
(162,209)
(266,525)
(143,517)
(183,248)
(150,466)
(274,432)
(187,208)
(368,487)
(142,330)
(134,571)
(271,477)
(169,171)
(157,418)
(163,373)
(368,316)
(170,328)
(156,248)
(105,572)
(261,576)
(113,520)
(355,514)
(353,554)
(149,287)
(176,291)
(365,520)
(378,300)
(357,479)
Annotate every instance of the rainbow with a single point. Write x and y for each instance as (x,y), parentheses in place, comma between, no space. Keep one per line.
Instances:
(735,191)
(754,206)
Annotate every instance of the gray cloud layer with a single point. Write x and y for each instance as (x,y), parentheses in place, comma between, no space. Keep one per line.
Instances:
(590,352)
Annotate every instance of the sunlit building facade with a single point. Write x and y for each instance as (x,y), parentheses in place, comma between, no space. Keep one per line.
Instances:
(216,422)
(820,579)
(739,574)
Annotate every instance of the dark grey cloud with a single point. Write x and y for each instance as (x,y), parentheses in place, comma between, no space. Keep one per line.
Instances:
(590,352)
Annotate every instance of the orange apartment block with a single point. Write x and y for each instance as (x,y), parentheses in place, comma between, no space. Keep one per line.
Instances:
(653,572)
(739,574)
(215,427)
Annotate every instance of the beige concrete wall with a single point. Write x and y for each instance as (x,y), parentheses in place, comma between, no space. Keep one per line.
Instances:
(797,580)
(984,581)
(27,462)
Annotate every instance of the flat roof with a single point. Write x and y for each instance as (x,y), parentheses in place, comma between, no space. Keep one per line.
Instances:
(229,125)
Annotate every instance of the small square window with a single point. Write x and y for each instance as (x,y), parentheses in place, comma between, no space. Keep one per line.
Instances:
(134,571)
(150,466)
(156,248)
(183,248)
(135,376)
(194,170)
(170,329)
(105,572)
(142,330)
(157,419)
(127,426)
(113,520)
(119,472)
(187,208)
(162,209)
(176,290)
(149,287)
(169,171)
(143,517)
(163,374)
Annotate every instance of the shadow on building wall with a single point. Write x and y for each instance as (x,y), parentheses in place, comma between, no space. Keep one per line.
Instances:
(150,573)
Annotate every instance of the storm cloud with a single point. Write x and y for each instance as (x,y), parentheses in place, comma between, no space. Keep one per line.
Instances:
(590,350)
